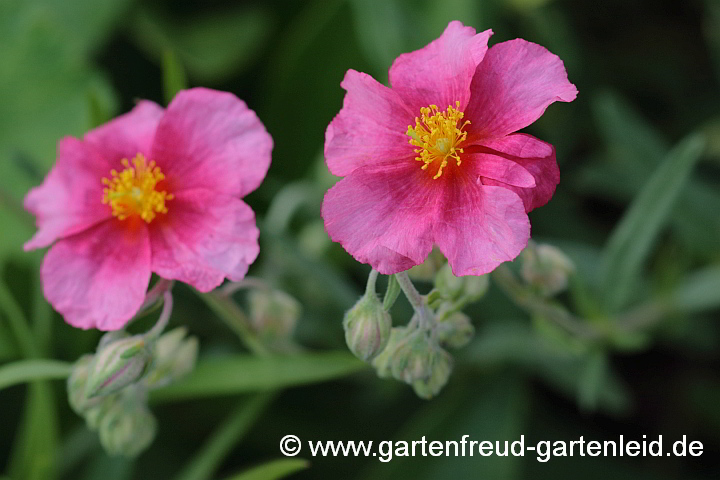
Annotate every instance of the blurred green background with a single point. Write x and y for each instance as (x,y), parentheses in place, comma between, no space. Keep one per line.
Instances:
(637,210)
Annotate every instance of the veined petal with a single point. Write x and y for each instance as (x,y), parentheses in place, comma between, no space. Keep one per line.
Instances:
(207,237)
(441,72)
(126,135)
(383,215)
(536,157)
(480,227)
(370,129)
(513,86)
(98,278)
(211,139)
(70,198)
(498,168)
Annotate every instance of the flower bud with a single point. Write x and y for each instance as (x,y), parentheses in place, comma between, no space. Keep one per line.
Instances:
(110,337)
(273,313)
(440,365)
(128,428)
(381,362)
(102,405)
(411,361)
(455,331)
(468,288)
(367,327)
(546,268)
(174,356)
(76,385)
(117,365)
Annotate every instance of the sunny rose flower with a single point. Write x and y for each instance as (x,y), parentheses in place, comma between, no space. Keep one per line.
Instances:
(152,191)
(433,160)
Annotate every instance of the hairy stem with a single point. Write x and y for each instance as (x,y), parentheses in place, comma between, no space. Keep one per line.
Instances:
(162,322)
(424,315)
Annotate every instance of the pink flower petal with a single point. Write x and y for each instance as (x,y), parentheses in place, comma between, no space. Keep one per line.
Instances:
(70,198)
(383,215)
(513,86)
(210,139)
(206,237)
(441,72)
(369,129)
(126,135)
(480,227)
(98,278)
(536,157)
(498,168)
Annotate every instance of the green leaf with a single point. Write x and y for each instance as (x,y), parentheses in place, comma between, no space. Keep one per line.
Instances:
(507,342)
(212,47)
(242,374)
(635,150)
(699,291)
(18,322)
(35,369)
(591,382)
(392,293)
(492,407)
(274,470)
(633,238)
(33,452)
(232,429)
(174,78)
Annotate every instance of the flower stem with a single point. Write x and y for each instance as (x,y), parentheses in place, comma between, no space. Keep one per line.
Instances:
(425,317)
(162,322)
(158,290)
(508,283)
(372,279)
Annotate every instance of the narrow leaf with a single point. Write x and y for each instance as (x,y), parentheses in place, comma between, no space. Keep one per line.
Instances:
(211,455)
(33,451)
(592,380)
(699,291)
(36,369)
(174,78)
(633,238)
(392,292)
(274,470)
(243,374)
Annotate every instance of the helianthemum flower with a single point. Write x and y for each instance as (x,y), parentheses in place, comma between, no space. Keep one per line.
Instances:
(151,191)
(434,159)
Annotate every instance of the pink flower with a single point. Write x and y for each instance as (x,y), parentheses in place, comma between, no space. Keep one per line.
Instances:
(433,160)
(152,191)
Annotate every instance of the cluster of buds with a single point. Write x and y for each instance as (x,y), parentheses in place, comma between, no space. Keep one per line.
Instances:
(413,356)
(110,388)
(416,353)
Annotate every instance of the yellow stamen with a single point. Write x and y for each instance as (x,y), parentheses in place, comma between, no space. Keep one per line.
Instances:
(437,135)
(132,191)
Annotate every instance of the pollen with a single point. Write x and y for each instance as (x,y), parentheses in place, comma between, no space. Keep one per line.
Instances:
(133,192)
(437,135)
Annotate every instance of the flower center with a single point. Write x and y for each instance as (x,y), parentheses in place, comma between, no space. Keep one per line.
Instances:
(132,191)
(437,135)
